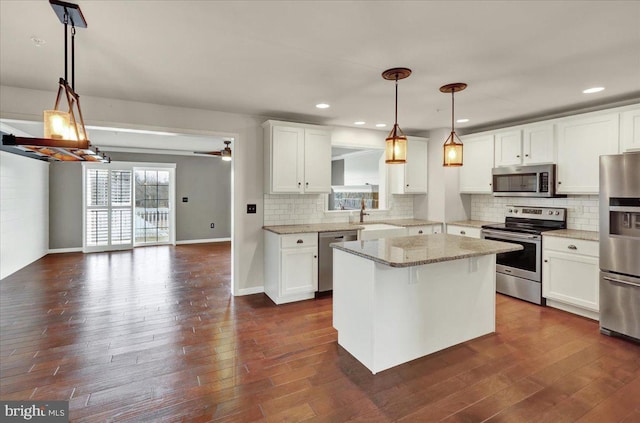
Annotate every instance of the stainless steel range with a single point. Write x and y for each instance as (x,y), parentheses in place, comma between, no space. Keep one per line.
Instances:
(519,273)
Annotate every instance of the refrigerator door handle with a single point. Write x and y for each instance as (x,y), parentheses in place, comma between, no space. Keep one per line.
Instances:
(607,278)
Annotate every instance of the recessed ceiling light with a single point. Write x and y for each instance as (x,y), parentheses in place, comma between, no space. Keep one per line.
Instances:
(322,106)
(380,125)
(360,122)
(38,42)
(462,120)
(593,90)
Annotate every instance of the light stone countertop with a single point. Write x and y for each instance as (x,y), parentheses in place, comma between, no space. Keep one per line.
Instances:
(313,227)
(343,226)
(406,251)
(575,234)
(472,223)
(407,222)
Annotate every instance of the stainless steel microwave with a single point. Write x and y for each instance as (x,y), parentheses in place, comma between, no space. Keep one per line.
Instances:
(525,181)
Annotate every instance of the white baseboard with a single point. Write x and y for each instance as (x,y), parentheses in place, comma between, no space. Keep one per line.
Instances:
(65,250)
(202,241)
(250,291)
(573,309)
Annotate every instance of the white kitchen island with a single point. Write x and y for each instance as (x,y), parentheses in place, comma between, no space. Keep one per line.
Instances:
(398,299)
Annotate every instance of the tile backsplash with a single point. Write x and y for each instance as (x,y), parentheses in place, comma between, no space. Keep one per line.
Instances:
(582,210)
(296,209)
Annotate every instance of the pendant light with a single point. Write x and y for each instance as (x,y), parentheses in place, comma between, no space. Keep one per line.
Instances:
(452,150)
(65,136)
(396,142)
(60,124)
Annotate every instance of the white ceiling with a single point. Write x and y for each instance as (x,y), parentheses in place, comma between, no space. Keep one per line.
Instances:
(277,59)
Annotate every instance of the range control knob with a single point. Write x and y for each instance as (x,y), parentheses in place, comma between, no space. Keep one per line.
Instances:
(557,213)
(515,211)
(550,212)
(510,210)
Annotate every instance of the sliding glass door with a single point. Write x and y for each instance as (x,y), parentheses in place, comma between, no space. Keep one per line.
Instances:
(127,205)
(153,206)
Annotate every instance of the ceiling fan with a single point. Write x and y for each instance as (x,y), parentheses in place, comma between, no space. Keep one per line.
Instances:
(225,153)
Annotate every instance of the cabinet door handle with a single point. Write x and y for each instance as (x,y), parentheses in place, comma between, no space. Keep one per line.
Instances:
(407,184)
(420,232)
(463,233)
(307,183)
(299,241)
(559,182)
(315,256)
(518,156)
(546,261)
(299,184)
(572,247)
(526,155)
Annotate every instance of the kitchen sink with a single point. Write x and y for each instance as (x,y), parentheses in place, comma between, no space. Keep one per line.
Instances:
(380,230)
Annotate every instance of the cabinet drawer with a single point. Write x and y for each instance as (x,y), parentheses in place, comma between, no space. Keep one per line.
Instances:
(463,231)
(571,246)
(299,240)
(421,230)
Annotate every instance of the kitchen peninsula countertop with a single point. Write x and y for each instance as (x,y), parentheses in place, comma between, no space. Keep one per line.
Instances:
(417,250)
(472,223)
(575,234)
(343,226)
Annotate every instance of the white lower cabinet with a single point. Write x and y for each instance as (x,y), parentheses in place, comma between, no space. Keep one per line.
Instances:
(424,230)
(291,266)
(464,231)
(570,275)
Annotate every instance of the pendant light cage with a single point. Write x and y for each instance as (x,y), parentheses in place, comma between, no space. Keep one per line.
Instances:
(452,148)
(396,142)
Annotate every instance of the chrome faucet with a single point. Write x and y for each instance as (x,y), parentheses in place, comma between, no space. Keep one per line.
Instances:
(362,213)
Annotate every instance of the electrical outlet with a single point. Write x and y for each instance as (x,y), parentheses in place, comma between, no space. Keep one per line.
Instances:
(251,208)
(213,225)
(185,199)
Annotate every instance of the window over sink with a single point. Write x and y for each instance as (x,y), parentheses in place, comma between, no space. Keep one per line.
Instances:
(356,175)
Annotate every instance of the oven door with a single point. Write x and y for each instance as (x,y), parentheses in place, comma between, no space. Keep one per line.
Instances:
(525,263)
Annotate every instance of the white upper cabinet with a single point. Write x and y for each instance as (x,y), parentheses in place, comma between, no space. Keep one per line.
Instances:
(297,158)
(411,178)
(630,136)
(508,148)
(581,142)
(317,161)
(538,144)
(527,146)
(475,173)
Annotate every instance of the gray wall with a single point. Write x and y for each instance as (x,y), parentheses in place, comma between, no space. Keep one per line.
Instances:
(65,205)
(206,181)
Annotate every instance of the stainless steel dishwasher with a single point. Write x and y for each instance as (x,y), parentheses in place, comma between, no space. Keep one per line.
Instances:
(325,256)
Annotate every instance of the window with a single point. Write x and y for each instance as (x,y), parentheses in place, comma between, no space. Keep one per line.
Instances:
(108,209)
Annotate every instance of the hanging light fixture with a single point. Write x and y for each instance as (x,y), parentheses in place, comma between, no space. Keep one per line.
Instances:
(452,149)
(396,142)
(65,136)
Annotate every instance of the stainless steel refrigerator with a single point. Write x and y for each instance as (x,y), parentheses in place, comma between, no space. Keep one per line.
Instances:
(620,245)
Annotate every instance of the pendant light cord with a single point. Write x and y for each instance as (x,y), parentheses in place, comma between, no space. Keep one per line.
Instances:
(66,57)
(66,51)
(73,57)
(452,109)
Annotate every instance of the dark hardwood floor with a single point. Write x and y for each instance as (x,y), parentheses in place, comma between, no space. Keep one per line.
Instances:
(153,335)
